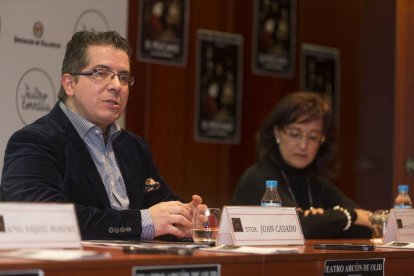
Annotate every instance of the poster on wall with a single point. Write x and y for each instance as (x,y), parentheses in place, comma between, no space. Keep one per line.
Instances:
(320,71)
(218,87)
(163,31)
(32,49)
(274,38)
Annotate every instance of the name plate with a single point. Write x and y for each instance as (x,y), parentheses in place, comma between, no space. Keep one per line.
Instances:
(38,225)
(371,267)
(168,270)
(253,225)
(26,272)
(400,226)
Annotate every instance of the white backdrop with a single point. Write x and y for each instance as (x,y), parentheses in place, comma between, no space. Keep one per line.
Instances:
(33,37)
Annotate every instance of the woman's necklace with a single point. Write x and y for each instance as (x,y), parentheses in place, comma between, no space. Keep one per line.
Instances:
(292,195)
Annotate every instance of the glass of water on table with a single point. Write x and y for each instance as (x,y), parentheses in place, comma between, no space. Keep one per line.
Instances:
(378,225)
(205,225)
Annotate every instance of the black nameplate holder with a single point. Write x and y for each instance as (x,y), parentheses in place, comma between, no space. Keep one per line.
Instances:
(22,272)
(169,270)
(360,267)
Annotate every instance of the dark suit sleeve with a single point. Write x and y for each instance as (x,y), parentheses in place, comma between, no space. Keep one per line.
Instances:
(36,170)
(330,225)
(332,222)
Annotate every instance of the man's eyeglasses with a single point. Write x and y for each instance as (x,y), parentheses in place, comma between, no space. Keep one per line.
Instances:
(297,136)
(105,76)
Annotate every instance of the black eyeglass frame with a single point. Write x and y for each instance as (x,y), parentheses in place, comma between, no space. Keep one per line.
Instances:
(129,81)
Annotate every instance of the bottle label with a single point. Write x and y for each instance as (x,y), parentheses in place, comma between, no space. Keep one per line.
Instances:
(271,204)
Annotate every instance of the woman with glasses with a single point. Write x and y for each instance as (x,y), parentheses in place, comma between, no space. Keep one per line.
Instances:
(297,147)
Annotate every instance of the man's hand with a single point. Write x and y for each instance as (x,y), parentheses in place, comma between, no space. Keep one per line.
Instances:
(195,201)
(174,217)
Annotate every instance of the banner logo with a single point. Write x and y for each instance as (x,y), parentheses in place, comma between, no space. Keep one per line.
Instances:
(38,29)
(35,95)
(92,20)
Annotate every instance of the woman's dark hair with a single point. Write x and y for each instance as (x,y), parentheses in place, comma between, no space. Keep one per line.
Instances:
(301,107)
(76,55)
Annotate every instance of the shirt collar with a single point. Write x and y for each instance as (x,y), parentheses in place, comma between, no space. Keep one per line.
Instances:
(82,125)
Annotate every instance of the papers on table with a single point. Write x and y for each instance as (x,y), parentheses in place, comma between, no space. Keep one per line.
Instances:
(188,245)
(251,249)
(143,244)
(149,247)
(398,245)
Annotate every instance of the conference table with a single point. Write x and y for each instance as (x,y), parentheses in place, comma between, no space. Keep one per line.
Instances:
(307,261)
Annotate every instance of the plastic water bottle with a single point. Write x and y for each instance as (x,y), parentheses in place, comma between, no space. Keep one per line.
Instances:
(271,196)
(403,199)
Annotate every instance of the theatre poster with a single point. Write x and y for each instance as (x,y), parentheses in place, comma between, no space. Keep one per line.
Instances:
(274,38)
(218,87)
(163,31)
(320,71)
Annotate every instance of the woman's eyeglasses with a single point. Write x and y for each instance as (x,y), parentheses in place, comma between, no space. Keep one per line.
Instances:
(297,136)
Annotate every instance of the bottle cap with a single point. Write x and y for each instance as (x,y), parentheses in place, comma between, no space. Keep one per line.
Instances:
(403,188)
(271,183)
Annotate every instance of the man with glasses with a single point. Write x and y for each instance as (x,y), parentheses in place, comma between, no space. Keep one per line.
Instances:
(78,153)
(297,147)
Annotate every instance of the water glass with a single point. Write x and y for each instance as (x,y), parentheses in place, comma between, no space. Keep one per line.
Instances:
(205,224)
(378,224)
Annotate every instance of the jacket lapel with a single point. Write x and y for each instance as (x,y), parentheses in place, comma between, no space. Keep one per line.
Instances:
(79,153)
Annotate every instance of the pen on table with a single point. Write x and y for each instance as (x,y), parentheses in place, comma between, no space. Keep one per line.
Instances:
(152,250)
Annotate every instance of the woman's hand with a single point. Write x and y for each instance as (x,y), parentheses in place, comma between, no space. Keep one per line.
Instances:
(313,211)
(363,217)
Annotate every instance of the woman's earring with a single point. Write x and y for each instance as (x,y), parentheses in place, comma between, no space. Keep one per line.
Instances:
(277,141)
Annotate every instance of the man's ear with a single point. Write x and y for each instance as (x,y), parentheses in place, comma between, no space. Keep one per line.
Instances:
(67,82)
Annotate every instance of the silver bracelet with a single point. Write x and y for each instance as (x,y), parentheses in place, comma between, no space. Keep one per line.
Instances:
(347,215)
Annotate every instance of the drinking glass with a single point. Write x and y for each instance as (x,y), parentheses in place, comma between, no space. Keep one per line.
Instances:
(378,223)
(205,224)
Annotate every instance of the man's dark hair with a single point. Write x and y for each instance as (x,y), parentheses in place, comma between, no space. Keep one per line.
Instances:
(76,55)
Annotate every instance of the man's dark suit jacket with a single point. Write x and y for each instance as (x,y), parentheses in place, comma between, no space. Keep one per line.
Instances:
(47,161)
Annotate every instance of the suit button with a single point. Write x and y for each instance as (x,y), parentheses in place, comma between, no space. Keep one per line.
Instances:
(122,230)
(116,230)
(111,229)
(128,229)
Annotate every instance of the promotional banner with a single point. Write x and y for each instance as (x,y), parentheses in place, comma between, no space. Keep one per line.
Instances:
(163,31)
(33,37)
(320,72)
(219,87)
(274,38)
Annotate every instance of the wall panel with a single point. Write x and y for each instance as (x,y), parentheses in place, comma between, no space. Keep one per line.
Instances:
(161,105)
